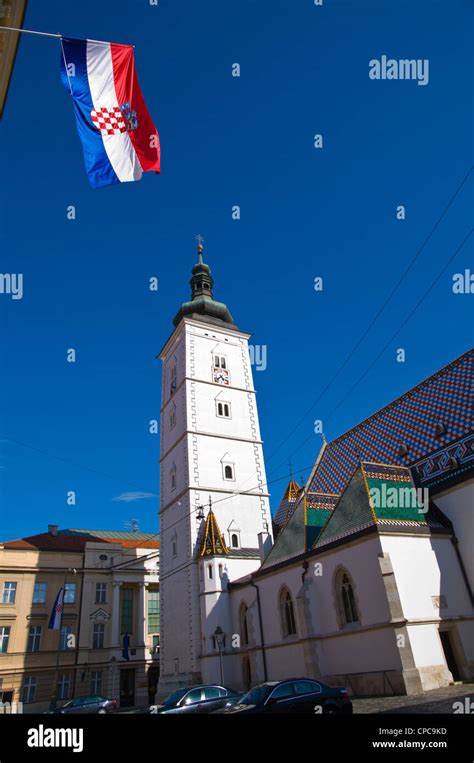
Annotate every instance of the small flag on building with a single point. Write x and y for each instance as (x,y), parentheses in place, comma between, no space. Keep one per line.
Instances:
(126,644)
(118,136)
(57,611)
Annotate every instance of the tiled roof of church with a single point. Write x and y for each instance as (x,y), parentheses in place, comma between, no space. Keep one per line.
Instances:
(420,424)
(212,541)
(383,497)
(287,504)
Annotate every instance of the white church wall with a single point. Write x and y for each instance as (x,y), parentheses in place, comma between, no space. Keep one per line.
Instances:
(360,560)
(426,568)
(457,504)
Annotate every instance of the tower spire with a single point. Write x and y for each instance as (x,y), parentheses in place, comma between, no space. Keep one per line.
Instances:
(202,305)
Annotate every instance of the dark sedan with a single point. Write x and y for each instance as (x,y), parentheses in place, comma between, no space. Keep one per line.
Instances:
(197,699)
(298,695)
(93,703)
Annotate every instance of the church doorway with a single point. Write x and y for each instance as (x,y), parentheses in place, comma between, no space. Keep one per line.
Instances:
(247,674)
(449,655)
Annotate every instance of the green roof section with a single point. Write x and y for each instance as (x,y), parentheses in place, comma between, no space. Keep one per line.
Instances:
(351,514)
(315,521)
(291,539)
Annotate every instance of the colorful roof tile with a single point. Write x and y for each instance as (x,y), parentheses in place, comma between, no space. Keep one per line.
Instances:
(419,428)
(287,504)
(382,496)
(212,540)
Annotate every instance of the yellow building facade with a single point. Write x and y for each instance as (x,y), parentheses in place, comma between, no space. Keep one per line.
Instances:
(111,584)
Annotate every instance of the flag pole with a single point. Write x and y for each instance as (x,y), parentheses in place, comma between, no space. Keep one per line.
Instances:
(54,696)
(58,36)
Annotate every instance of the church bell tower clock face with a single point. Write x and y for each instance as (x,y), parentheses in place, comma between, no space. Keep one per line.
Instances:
(221,376)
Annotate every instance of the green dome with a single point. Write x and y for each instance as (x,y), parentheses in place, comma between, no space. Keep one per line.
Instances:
(202,305)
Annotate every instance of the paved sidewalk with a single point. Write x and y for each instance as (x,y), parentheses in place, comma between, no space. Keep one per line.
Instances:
(436,701)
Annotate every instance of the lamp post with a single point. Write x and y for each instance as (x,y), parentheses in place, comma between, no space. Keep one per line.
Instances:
(219,636)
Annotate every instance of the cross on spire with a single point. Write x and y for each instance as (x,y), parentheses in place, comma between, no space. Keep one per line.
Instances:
(200,240)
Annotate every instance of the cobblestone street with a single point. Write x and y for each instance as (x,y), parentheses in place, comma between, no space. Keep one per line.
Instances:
(437,701)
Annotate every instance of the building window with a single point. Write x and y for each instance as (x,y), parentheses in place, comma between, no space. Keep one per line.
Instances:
(64,686)
(172,418)
(153,611)
(221,571)
(39,593)
(229,472)
(34,638)
(173,477)
(4,638)
(223,409)
(244,626)
(346,599)
(126,610)
(29,689)
(69,593)
(98,636)
(174,544)
(66,639)
(176,664)
(96,682)
(100,593)
(234,540)
(287,614)
(209,571)
(8,593)
(156,641)
(220,361)
(173,376)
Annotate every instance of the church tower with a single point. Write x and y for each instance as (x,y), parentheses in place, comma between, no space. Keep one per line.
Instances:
(215,521)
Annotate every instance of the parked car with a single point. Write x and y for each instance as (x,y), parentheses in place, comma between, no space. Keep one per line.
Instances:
(298,695)
(93,703)
(197,699)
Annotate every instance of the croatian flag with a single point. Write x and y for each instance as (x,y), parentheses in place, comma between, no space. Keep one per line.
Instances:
(119,140)
(57,611)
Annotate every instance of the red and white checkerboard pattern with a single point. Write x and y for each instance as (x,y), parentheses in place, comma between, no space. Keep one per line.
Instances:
(109,120)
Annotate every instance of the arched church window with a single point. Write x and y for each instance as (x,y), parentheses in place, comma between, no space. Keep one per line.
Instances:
(209,571)
(234,540)
(244,625)
(221,571)
(228,472)
(287,613)
(346,599)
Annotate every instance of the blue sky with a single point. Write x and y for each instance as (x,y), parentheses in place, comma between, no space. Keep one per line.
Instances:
(305,213)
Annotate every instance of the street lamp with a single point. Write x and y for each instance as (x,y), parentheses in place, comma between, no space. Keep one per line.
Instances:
(219,636)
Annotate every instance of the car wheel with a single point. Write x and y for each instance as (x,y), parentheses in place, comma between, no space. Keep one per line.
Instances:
(102,711)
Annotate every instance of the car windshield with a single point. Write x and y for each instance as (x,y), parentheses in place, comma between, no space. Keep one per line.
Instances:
(174,698)
(255,696)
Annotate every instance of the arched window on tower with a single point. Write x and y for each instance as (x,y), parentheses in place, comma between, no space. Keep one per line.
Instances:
(345,598)
(234,540)
(287,613)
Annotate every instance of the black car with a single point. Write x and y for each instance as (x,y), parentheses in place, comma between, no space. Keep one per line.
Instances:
(93,703)
(197,699)
(296,695)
